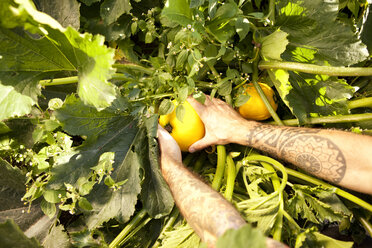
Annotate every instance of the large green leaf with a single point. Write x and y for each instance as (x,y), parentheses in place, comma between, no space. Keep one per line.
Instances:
(314,33)
(31,220)
(176,12)
(155,194)
(246,236)
(221,26)
(66,12)
(12,236)
(307,204)
(111,10)
(312,95)
(50,49)
(106,131)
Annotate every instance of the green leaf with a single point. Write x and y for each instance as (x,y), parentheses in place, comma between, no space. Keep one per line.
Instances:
(241,99)
(305,204)
(12,236)
(199,96)
(182,236)
(180,112)
(220,26)
(111,10)
(196,3)
(57,238)
(245,236)
(314,30)
(53,49)
(312,238)
(166,107)
(274,45)
(155,194)
(242,27)
(225,87)
(120,204)
(89,2)
(85,204)
(176,12)
(106,131)
(312,95)
(183,93)
(48,208)
(181,59)
(67,13)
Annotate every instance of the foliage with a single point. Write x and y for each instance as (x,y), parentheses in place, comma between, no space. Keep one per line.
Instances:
(82,84)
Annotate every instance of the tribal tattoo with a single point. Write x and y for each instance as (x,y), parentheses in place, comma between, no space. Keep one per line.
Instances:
(205,210)
(304,148)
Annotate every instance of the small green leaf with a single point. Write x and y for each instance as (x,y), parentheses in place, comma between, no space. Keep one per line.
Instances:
(176,12)
(225,87)
(241,99)
(48,208)
(180,112)
(199,96)
(274,45)
(85,204)
(166,107)
(242,27)
(53,196)
(245,236)
(111,10)
(181,59)
(183,93)
(109,181)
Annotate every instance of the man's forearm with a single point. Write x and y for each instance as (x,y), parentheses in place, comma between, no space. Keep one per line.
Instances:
(337,156)
(206,211)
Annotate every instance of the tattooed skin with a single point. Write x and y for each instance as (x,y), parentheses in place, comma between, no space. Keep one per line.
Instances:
(205,210)
(304,148)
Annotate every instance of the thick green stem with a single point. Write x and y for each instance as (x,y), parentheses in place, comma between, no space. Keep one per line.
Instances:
(157,96)
(129,227)
(59,81)
(132,233)
(200,161)
(75,79)
(272,11)
(329,119)
(135,67)
(263,96)
(367,226)
(338,191)
(172,218)
(360,103)
(277,235)
(231,174)
(221,159)
(187,160)
(277,165)
(316,69)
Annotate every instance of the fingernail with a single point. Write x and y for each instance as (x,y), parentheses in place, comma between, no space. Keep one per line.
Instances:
(191,150)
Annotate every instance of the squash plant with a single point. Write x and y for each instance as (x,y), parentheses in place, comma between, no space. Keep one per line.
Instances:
(82,84)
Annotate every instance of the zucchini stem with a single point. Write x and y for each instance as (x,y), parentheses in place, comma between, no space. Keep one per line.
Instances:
(221,159)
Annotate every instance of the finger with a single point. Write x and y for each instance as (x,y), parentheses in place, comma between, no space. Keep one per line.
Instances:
(200,144)
(199,108)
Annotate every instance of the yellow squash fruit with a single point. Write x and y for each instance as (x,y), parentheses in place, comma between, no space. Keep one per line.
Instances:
(186,131)
(255,108)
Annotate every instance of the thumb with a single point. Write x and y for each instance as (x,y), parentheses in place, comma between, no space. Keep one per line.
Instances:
(200,144)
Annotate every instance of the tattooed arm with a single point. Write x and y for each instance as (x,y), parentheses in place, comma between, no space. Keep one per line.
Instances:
(205,210)
(340,157)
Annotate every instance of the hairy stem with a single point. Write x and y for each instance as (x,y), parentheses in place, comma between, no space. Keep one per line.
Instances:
(134,67)
(221,159)
(337,190)
(200,161)
(128,228)
(329,119)
(75,79)
(360,103)
(172,218)
(231,174)
(263,96)
(316,69)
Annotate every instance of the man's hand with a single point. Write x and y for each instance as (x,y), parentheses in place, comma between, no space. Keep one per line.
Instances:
(220,121)
(168,147)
